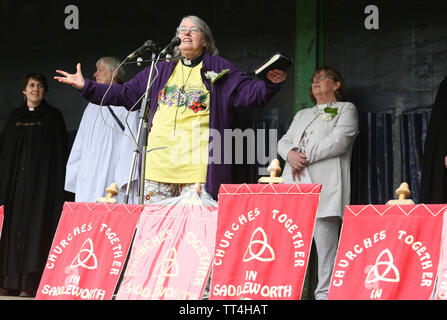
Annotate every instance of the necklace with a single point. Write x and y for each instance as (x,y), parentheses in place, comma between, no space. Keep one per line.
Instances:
(182,92)
(182,95)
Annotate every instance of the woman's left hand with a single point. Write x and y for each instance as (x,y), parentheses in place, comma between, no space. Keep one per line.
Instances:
(276,76)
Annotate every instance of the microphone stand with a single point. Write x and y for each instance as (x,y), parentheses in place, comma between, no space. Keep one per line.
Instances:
(141,140)
(142,135)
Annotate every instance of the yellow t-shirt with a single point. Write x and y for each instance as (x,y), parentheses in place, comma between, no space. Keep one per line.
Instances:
(181,123)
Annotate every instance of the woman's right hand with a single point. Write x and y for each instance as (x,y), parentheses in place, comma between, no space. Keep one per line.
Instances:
(76,79)
(297,160)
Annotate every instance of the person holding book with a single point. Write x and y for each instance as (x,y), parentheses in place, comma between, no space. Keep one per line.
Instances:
(317,148)
(191,101)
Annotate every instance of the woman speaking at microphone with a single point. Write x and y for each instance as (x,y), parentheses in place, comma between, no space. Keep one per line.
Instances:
(191,100)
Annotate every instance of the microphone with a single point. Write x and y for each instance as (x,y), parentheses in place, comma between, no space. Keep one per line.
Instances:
(174,42)
(147,45)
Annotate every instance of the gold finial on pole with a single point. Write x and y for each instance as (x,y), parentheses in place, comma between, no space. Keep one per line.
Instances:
(193,198)
(198,188)
(403,192)
(275,170)
(111,191)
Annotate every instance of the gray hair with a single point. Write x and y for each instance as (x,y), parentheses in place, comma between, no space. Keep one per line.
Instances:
(111,64)
(208,36)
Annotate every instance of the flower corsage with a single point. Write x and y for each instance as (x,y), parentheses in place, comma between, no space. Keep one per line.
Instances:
(214,76)
(329,114)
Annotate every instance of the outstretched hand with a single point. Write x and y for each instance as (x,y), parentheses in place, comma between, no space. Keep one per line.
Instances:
(74,79)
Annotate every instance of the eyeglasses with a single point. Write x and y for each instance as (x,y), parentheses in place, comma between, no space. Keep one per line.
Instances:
(184,30)
(320,78)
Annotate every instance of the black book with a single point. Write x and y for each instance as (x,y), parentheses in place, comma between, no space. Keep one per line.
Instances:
(276,61)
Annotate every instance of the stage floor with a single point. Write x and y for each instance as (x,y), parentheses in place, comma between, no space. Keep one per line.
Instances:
(14,298)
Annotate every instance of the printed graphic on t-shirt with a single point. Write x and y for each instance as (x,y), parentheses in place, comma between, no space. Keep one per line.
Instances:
(190,98)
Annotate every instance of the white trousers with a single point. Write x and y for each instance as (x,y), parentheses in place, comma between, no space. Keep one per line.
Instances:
(326,235)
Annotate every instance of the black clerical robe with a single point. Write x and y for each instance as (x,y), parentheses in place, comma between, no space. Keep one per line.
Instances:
(434,172)
(33,153)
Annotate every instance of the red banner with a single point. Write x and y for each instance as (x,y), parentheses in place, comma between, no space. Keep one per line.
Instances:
(388,252)
(441,284)
(2,214)
(172,252)
(88,251)
(263,240)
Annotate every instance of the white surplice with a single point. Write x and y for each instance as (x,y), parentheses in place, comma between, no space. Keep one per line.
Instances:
(101,155)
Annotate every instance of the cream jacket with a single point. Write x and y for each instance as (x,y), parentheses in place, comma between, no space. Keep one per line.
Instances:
(328,154)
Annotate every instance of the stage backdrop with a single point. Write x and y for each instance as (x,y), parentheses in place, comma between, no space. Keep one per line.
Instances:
(263,239)
(88,251)
(246,32)
(388,252)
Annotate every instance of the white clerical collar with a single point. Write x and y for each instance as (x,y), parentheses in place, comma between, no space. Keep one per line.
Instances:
(193,62)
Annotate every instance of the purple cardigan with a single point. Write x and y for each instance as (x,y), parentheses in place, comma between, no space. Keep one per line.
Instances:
(233,90)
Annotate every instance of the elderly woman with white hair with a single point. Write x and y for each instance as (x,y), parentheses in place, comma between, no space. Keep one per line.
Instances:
(191,104)
(102,150)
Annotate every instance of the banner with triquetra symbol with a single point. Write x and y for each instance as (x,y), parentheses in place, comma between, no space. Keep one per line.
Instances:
(172,251)
(388,252)
(263,240)
(89,251)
